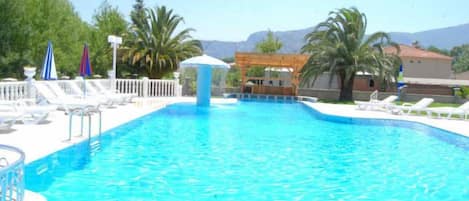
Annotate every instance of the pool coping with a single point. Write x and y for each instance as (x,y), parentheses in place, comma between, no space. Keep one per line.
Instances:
(455,126)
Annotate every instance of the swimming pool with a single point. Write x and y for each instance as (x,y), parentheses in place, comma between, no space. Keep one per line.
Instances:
(257,151)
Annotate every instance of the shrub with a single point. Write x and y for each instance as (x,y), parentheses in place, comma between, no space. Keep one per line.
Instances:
(463,92)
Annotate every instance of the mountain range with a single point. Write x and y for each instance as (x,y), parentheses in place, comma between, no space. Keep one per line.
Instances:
(443,38)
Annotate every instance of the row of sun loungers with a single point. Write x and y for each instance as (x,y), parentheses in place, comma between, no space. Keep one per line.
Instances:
(52,97)
(420,107)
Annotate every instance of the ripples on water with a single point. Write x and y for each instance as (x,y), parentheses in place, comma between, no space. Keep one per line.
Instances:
(257,151)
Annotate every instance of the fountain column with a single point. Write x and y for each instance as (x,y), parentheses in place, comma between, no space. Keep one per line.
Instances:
(204,79)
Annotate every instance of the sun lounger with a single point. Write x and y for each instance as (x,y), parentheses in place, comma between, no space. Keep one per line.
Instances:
(407,108)
(90,94)
(7,119)
(65,102)
(127,96)
(376,104)
(31,113)
(118,99)
(461,111)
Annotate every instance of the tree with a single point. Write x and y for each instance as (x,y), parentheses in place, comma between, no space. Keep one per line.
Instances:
(461,58)
(157,47)
(270,44)
(339,46)
(27,26)
(107,20)
(138,15)
(438,50)
(14,43)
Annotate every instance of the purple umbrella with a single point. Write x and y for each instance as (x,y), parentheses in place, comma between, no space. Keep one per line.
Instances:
(85,67)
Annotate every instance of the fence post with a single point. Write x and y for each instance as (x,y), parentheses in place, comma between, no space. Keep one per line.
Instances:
(177,88)
(30,72)
(145,87)
(112,80)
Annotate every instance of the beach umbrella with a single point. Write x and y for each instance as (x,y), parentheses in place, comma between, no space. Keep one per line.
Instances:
(49,71)
(204,65)
(85,67)
(400,81)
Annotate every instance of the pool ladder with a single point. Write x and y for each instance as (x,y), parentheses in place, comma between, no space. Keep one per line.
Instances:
(82,112)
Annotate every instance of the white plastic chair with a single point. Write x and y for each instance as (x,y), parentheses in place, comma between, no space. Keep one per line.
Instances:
(127,96)
(376,104)
(90,94)
(408,108)
(7,119)
(462,111)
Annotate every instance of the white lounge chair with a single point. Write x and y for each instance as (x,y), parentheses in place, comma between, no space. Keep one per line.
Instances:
(117,98)
(71,106)
(102,89)
(90,94)
(407,108)
(7,119)
(376,104)
(65,102)
(462,111)
(31,113)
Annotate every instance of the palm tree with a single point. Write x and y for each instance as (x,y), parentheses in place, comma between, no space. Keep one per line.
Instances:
(339,46)
(157,48)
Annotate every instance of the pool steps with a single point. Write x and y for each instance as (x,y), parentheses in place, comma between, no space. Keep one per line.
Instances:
(269,97)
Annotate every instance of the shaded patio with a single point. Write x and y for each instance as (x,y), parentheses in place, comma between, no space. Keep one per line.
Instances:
(287,85)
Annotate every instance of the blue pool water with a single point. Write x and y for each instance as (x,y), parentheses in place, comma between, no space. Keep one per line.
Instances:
(257,151)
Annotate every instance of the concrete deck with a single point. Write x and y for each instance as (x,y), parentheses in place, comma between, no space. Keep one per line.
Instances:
(43,139)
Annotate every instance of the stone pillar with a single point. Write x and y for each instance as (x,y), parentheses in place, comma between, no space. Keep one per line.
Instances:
(29,72)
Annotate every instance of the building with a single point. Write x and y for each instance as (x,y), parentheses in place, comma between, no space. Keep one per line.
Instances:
(462,76)
(421,69)
(419,63)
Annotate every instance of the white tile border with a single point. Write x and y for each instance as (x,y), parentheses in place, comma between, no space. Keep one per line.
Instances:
(453,125)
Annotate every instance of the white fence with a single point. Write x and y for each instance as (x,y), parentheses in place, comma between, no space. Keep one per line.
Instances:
(148,88)
(12,90)
(142,87)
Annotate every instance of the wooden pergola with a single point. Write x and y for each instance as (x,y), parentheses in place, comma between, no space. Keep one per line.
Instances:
(295,62)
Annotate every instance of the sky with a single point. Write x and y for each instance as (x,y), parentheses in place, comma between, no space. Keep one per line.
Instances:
(234,20)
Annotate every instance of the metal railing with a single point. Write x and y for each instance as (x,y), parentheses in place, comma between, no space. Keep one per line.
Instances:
(141,87)
(11,173)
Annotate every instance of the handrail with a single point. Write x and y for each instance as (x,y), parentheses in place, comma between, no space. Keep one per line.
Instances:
(11,175)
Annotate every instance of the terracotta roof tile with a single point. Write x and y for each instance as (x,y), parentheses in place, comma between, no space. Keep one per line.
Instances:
(412,52)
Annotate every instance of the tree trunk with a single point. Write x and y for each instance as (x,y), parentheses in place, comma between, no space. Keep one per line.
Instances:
(346,87)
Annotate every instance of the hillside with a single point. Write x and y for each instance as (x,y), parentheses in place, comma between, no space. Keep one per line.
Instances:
(293,40)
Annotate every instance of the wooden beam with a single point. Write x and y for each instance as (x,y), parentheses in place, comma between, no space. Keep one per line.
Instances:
(296,61)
